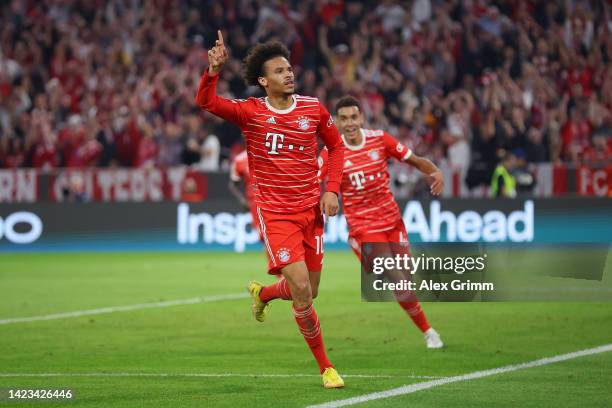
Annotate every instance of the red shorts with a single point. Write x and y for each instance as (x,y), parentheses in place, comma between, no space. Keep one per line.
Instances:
(290,238)
(394,234)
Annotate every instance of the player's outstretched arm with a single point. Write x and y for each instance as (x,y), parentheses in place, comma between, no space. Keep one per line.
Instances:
(207,98)
(397,150)
(434,175)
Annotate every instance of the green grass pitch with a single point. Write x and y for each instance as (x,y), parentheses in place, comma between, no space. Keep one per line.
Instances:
(370,339)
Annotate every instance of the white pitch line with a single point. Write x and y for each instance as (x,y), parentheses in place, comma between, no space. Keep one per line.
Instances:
(412,388)
(127,308)
(250,375)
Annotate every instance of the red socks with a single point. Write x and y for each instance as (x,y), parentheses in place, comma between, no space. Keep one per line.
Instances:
(416,314)
(278,290)
(308,322)
(306,319)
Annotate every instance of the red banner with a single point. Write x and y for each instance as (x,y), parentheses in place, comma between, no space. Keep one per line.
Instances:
(128,185)
(183,184)
(19,186)
(594,182)
(111,185)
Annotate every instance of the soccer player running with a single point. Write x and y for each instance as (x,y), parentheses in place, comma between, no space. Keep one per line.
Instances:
(370,209)
(281,132)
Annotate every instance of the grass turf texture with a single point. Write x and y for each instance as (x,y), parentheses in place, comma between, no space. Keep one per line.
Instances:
(222,337)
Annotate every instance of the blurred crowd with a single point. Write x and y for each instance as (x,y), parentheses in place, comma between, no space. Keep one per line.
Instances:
(465,82)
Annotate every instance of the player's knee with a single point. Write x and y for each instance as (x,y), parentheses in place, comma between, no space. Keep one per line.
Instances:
(315,292)
(302,292)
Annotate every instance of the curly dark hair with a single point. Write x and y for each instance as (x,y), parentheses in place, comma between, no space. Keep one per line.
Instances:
(347,101)
(253,64)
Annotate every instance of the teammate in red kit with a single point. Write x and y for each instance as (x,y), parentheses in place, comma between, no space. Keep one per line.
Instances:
(239,172)
(281,137)
(370,209)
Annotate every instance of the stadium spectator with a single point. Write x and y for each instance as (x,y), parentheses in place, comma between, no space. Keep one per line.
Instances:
(75,191)
(209,153)
(503,182)
(170,144)
(436,68)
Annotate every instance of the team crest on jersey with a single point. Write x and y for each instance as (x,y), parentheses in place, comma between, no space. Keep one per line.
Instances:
(374,155)
(283,254)
(303,123)
(399,147)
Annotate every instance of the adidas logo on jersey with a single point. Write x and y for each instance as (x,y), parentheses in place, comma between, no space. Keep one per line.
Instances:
(348,163)
(271,120)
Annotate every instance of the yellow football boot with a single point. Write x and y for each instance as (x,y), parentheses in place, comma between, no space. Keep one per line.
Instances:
(331,378)
(260,309)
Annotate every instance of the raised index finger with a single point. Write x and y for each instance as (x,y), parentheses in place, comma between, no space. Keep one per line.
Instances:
(220,37)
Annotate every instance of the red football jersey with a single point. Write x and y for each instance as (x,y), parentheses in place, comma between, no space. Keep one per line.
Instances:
(239,170)
(367,200)
(281,146)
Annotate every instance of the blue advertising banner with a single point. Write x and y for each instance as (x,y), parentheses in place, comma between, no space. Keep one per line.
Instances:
(220,225)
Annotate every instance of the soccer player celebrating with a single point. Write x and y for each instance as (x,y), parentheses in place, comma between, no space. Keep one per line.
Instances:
(281,132)
(370,209)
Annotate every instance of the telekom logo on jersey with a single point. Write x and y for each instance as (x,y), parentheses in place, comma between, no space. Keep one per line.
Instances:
(357,179)
(275,142)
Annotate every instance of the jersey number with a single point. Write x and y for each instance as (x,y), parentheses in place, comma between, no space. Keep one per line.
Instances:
(319,239)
